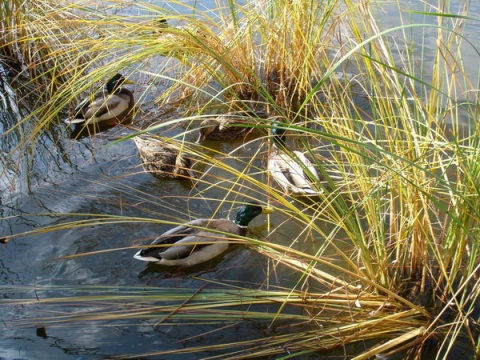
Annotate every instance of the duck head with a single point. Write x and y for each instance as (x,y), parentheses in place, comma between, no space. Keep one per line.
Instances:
(207,127)
(115,83)
(278,133)
(250,211)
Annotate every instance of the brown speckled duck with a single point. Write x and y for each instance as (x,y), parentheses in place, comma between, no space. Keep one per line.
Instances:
(163,159)
(219,127)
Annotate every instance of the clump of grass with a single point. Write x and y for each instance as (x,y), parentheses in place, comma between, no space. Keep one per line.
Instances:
(37,36)
(259,55)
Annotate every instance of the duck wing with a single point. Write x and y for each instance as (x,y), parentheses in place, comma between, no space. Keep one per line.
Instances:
(311,169)
(83,106)
(291,175)
(155,155)
(302,172)
(190,244)
(110,107)
(180,232)
(101,108)
(187,240)
(169,237)
(279,171)
(163,159)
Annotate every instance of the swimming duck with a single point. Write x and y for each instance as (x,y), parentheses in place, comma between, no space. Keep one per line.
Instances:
(218,127)
(111,107)
(192,243)
(292,171)
(163,159)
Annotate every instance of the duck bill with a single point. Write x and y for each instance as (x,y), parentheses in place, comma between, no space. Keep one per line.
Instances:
(126,81)
(267,210)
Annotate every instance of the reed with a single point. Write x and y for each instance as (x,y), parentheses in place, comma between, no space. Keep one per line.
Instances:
(388,252)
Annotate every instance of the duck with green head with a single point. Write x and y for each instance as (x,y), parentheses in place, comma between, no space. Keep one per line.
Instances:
(111,107)
(199,240)
(291,170)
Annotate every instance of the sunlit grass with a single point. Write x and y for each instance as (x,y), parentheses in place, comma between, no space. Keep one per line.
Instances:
(390,247)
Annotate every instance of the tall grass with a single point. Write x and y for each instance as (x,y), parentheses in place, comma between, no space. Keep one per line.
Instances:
(388,254)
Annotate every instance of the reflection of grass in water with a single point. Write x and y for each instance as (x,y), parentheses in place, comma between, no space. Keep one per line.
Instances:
(388,251)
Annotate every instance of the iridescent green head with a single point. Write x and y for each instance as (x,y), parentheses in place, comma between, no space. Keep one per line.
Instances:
(279,133)
(115,83)
(249,212)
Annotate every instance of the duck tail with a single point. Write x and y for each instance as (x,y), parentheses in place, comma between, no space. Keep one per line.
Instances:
(74,121)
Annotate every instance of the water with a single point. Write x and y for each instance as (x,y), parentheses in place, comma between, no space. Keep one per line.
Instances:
(98,178)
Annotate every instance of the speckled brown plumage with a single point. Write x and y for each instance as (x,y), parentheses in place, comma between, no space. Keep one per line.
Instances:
(219,127)
(162,159)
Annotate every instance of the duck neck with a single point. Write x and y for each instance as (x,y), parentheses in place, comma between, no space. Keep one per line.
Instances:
(279,143)
(243,219)
(114,87)
(114,90)
(243,229)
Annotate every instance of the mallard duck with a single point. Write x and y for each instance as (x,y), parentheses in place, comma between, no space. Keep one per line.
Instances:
(192,243)
(179,35)
(292,171)
(162,159)
(218,127)
(160,23)
(111,107)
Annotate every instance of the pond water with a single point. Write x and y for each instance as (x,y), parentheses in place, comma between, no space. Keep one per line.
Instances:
(100,178)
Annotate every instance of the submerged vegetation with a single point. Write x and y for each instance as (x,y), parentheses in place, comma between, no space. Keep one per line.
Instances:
(386,253)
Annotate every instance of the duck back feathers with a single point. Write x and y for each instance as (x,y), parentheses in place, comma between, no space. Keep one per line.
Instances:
(163,159)
(292,171)
(219,127)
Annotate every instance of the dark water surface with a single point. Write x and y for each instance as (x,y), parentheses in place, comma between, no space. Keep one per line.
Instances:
(96,177)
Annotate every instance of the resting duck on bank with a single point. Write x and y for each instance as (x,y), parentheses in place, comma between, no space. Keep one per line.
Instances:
(292,171)
(218,127)
(192,243)
(163,159)
(193,28)
(111,107)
